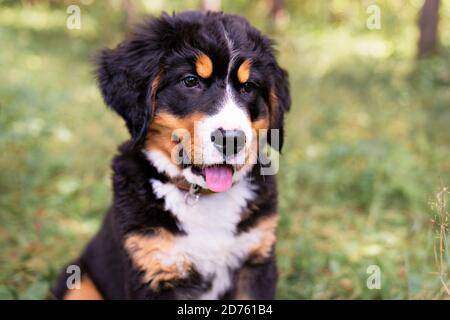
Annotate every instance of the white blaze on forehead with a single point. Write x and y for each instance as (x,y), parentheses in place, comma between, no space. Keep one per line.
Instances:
(230,117)
(233,54)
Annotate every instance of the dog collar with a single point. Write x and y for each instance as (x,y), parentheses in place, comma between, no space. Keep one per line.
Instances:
(183,184)
(193,190)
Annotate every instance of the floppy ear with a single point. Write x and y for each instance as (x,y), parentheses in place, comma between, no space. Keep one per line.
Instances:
(128,77)
(280,102)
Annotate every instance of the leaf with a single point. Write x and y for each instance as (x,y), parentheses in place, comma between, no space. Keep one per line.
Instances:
(36,291)
(6,293)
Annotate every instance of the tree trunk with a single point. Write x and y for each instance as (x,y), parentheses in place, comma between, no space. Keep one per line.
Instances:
(428,25)
(276,8)
(130,12)
(275,13)
(211,5)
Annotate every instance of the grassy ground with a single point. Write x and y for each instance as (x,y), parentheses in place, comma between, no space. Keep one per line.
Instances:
(367,148)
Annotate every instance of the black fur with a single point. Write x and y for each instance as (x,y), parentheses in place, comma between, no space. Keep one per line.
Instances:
(163,50)
(136,209)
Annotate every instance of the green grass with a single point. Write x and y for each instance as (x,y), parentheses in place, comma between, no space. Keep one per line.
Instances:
(367,147)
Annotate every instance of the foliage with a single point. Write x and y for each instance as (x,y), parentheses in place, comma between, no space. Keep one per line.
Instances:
(367,144)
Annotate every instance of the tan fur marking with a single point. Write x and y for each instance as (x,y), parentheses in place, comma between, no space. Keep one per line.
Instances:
(243,72)
(87,291)
(252,150)
(260,124)
(204,66)
(267,227)
(164,125)
(147,253)
(154,88)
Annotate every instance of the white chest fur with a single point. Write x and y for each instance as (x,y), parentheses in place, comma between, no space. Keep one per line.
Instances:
(210,243)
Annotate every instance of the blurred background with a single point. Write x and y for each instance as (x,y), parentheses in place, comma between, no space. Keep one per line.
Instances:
(364,167)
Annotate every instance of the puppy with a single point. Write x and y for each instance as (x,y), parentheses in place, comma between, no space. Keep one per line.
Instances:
(194,214)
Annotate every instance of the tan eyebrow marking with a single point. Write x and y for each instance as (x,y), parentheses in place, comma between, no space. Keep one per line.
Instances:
(203,66)
(243,72)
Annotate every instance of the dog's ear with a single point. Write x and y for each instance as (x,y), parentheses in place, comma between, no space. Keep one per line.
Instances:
(128,76)
(279,103)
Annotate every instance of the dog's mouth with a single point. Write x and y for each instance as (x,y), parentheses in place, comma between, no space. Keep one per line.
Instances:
(219,177)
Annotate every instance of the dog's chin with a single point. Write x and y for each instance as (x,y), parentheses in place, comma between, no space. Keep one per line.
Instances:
(215,177)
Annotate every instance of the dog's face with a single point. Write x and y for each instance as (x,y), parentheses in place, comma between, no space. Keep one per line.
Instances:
(196,90)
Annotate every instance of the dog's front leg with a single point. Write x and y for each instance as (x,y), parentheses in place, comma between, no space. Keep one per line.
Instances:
(256,280)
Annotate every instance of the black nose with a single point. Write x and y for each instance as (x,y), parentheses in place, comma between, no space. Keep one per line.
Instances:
(228,142)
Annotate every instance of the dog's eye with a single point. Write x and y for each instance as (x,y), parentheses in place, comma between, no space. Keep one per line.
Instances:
(190,81)
(247,87)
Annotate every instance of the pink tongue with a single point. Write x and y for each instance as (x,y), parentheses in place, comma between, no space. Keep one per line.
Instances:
(219,178)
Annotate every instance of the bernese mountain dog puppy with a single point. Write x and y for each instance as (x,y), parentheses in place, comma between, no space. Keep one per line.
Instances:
(194,212)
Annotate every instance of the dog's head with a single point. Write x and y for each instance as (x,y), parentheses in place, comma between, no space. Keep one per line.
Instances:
(197,91)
